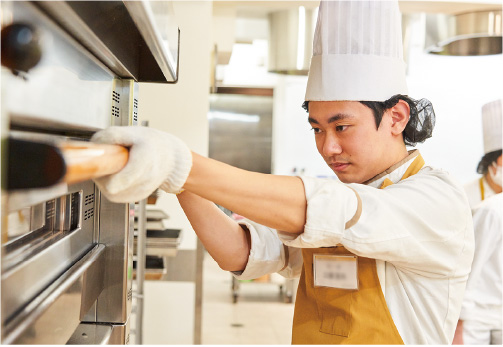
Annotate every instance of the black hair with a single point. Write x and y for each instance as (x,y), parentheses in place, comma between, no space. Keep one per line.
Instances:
(421,119)
(487,160)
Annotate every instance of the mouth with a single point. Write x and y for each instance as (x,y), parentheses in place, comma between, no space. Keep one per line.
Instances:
(339,167)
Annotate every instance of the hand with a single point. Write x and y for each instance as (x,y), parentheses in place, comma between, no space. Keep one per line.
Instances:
(156,160)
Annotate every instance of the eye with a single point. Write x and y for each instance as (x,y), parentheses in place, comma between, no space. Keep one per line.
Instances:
(316,130)
(341,127)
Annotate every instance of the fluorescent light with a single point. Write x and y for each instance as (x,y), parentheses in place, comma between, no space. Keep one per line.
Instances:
(236,117)
(301,38)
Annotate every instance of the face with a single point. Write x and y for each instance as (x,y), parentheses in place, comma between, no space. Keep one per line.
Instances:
(347,139)
(499,161)
(493,166)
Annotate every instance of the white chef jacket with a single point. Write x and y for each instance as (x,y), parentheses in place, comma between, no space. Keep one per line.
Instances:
(483,297)
(419,230)
(474,194)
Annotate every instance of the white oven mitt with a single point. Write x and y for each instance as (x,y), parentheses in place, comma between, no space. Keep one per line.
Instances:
(156,160)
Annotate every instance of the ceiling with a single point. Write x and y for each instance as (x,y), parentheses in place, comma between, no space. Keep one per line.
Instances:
(259,9)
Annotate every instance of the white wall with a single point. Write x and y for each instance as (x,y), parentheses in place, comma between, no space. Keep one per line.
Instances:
(457,87)
(293,139)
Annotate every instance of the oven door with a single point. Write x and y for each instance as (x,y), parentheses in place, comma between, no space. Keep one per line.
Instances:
(66,251)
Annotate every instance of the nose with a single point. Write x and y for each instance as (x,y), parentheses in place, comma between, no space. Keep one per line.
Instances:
(331,145)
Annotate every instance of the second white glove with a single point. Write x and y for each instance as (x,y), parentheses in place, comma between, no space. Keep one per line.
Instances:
(156,160)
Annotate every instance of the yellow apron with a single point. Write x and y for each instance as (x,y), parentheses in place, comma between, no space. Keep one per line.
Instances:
(481,185)
(326,315)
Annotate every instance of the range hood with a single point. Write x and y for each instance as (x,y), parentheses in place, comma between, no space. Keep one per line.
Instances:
(291,40)
(465,34)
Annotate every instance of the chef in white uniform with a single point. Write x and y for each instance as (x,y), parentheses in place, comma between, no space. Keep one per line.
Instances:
(480,321)
(383,254)
(489,166)
(481,316)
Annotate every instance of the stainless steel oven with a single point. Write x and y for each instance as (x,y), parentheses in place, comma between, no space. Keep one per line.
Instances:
(68,70)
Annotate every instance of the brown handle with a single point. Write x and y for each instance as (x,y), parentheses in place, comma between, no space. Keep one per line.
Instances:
(87,160)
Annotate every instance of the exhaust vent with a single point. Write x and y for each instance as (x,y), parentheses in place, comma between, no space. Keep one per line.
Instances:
(466,34)
(291,40)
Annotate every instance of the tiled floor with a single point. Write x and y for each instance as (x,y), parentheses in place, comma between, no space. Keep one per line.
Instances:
(260,315)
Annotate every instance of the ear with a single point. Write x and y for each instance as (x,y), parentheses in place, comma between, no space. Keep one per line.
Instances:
(399,117)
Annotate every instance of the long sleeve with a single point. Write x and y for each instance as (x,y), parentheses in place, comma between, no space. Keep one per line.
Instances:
(421,224)
(268,254)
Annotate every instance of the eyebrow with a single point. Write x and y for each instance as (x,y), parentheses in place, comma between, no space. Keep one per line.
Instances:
(334,118)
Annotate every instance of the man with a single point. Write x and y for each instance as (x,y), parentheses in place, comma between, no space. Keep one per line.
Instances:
(490,164)
(480,321)
(384,253)
(481,316)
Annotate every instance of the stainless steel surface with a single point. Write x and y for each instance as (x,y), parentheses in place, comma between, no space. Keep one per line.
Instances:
(156,22)
(46,290)
(120,334)
(140,268)
(65,69)
(116,231)
(154,215)
(64,14)
(91,334)
(125,102)
(164,243)
(465,34)
(29,268)
(116,228)
(100,334)
(290,40)
(55,313)
(200,251)
(135,39)
(246,122)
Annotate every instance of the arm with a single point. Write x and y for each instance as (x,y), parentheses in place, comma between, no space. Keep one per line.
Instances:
(223,238)
(160,160)
(458,335)
(230,243)
(421,225)
(278,202)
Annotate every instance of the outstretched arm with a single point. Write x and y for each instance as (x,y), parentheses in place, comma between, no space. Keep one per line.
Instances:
(223,238)
(278,202)
(158,159)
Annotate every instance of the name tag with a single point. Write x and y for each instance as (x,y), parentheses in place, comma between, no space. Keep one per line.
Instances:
(336,271)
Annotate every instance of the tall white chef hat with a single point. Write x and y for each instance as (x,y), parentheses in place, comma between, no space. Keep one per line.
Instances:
(357,52)
(491,126)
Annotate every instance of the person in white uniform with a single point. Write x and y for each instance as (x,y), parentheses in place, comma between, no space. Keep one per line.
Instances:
(480,321)
(489,166)
(383,254)
(481,315)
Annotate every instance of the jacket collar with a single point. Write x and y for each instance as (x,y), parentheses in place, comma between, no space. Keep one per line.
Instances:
(394,172)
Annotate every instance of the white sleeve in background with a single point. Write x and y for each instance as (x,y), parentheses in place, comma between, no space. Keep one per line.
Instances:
(421,224)
(268,254)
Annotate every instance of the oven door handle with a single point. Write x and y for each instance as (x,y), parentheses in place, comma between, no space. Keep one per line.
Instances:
(87,160)
(38,165)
